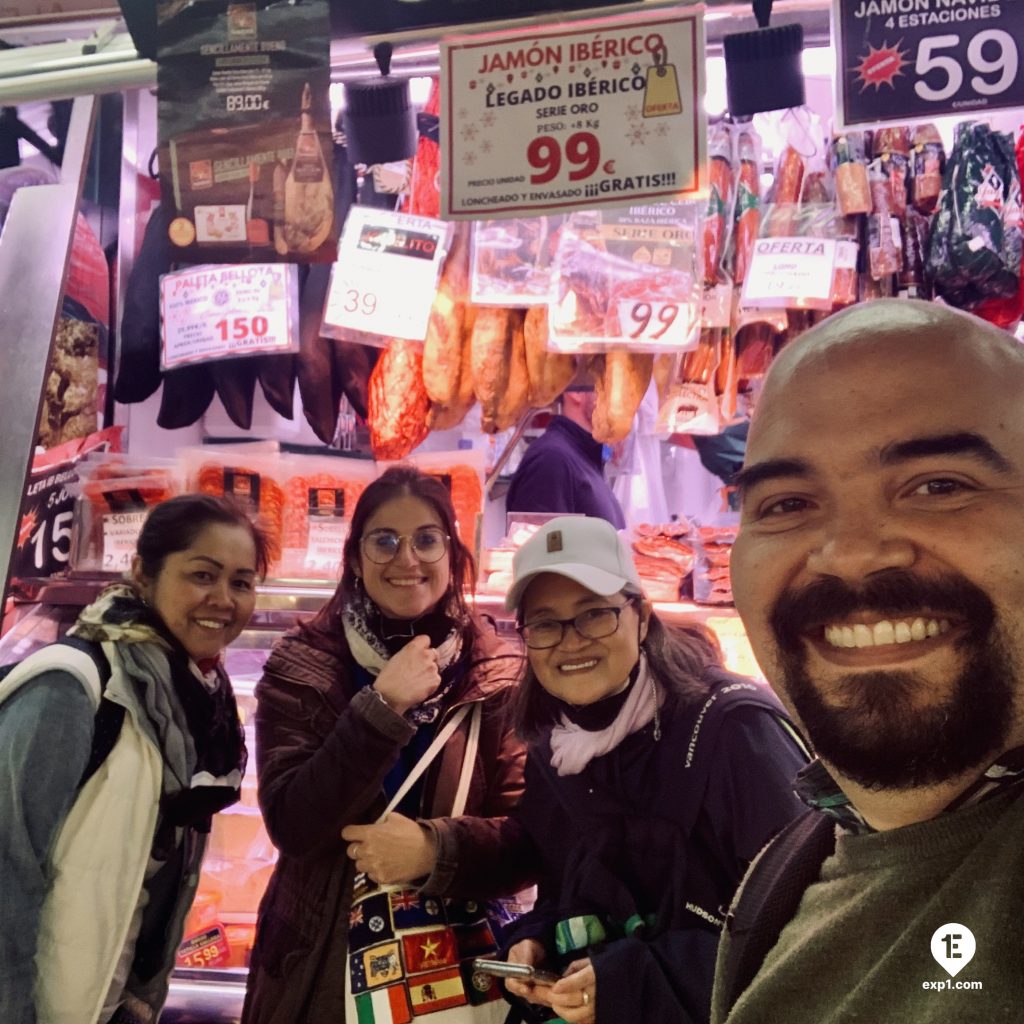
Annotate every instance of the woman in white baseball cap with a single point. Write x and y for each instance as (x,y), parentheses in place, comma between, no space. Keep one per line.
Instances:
(653,778)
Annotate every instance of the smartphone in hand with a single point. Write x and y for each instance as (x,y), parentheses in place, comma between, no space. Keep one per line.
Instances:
(523,972)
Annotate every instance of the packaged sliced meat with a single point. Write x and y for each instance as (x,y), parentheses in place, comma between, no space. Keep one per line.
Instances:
(748,202)
(720,200)
(849,163)
(885,252)
(927,162)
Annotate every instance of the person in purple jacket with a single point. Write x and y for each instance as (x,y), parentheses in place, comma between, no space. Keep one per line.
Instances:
(563,470)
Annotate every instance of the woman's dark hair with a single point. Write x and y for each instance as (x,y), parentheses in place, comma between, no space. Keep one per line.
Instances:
(677,656)
(174,525)
(400,482)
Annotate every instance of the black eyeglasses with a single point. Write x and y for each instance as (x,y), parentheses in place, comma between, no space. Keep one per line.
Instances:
(593,624)
(428,544)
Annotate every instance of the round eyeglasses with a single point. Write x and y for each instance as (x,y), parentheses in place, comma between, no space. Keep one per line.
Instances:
(593,624)
(428,544)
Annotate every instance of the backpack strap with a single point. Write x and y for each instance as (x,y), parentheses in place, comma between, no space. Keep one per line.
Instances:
(109,716)
(769,897)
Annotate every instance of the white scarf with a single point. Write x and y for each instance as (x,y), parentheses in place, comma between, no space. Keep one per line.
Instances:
(573,747)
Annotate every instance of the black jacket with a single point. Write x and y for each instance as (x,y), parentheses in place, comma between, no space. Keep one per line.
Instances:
(563,472)
(663,830)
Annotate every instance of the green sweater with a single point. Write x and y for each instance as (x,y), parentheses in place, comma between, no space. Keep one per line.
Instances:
(859,947)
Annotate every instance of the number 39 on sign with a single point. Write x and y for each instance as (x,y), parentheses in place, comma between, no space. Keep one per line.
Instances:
(903,59)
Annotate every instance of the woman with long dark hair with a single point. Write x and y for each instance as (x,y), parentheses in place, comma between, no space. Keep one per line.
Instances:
(653,778)
(386,749)
(119,743)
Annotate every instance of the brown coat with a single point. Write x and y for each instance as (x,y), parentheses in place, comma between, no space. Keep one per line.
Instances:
(323,752)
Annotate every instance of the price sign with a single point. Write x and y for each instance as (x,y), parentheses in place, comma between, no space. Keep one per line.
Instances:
(541,120)
(324,551)
(219,312)
(386,275)
(657,325)
(207,948)
(904,59)
(120,533)
(787,270)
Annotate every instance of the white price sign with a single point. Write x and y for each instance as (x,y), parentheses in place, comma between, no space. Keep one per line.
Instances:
(786,270)
(653,325)
(386,276)
(120,534)
(327,536)
(219,312)
(606,112)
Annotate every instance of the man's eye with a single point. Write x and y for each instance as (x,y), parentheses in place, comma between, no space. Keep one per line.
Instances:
(786,506)
(941,486)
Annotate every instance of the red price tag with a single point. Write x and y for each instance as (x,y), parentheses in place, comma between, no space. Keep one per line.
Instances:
(208,948)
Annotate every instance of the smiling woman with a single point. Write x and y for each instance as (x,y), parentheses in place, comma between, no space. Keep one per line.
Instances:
(143,718)
(653,777)
(394,675)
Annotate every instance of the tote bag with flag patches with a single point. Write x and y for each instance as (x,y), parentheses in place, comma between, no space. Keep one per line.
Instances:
(410,955)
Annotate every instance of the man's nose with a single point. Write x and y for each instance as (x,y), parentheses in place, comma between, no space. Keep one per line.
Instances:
(855,545)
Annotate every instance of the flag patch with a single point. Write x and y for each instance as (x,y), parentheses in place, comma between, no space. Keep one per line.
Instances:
(369,922)
(410,909)
(429,951)
(438,991)
(388,1005)
(481,988)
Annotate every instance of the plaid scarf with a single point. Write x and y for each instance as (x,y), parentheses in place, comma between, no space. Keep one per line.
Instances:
(193,716)
(816,787)
(362,622)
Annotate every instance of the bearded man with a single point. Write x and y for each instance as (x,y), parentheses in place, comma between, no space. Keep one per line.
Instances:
(879,571)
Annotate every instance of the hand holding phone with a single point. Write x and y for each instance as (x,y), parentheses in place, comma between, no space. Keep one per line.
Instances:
(522,972)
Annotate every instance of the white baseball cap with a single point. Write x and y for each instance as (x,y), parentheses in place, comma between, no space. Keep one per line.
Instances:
(583,548)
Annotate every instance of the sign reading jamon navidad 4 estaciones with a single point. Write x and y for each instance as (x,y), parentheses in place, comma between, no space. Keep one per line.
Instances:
(604,112)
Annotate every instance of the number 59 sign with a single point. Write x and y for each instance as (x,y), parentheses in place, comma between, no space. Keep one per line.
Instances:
(906,59)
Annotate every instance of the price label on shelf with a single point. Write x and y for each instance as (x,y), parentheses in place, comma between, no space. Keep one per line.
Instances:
(120,533)
(386,276)
(207,948)
(787,270)
(219,312)
(541,120)
(926,58)
(324,550)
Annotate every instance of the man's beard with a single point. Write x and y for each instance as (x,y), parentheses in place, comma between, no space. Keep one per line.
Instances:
(879,736)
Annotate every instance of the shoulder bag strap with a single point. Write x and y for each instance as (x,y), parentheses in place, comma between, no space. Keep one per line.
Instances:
(429,754)
(468,761)
(769,896)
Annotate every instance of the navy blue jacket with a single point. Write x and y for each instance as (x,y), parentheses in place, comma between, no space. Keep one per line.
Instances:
(665,830)
(563,472)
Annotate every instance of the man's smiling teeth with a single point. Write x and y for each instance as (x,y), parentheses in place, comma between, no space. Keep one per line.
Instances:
(886,632)
(210,624)
(577,666)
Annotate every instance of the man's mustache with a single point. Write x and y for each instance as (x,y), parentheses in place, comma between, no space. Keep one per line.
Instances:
(895,593)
